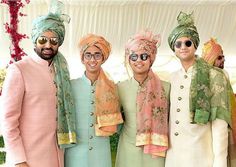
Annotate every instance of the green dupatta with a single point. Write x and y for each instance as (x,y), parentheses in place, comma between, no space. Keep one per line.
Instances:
(209,94)
(66,135)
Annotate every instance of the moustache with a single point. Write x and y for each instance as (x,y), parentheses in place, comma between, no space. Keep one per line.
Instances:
(47,49)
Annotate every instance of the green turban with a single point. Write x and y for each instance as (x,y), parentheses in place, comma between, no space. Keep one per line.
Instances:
(185,28)
(51,22)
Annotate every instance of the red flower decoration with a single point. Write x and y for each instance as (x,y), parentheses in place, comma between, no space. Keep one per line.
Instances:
(11,29)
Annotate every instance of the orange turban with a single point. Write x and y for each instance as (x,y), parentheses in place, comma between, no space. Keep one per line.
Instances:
(95,40)
(211,50)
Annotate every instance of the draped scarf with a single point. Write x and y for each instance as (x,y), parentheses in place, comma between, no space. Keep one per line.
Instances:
(107,108)
(209,95)
(152,117)
(66,134)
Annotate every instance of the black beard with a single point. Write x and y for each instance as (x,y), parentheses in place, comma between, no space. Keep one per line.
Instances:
(48,57)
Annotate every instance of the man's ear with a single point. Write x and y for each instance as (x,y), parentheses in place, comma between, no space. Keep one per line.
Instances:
(82,59)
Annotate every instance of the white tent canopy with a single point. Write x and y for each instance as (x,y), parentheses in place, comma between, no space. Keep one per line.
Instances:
(118,20)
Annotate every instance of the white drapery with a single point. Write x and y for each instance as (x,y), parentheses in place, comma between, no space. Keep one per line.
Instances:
(118,20)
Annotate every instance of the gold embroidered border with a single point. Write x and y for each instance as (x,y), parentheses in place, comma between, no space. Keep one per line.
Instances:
(66,138)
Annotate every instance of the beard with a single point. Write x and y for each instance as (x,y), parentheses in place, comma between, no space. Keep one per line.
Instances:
(46,53)
(221,66)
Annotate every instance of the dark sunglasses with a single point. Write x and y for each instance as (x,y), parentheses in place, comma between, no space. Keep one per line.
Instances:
(187,43)
(134,56)
(96,56)
(220,57)
(43,40)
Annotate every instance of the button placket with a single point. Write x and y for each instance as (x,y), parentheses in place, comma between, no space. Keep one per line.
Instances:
(185,76)
(176,133)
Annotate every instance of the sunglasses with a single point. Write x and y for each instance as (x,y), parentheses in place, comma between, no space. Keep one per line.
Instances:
(43,40)
(187,43)
(134,56)
(220,57)
(96,56)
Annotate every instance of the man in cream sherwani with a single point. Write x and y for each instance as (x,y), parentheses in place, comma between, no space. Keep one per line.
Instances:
(37,108)
(199,114)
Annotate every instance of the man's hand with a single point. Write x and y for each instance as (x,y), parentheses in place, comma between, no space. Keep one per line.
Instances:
(23,164)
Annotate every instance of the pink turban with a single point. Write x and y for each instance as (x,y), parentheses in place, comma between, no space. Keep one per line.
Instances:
(95,40)
(211,50)
(144,41)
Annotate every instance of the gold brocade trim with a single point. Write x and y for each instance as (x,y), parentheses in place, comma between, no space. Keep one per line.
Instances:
(66,138)
(159,154)
(155,139)
(109,119)
(99,132)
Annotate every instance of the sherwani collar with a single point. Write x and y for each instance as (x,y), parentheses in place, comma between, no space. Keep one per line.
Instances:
(39,60)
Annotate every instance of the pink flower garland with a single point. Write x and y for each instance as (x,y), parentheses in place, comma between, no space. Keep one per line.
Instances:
(11,29)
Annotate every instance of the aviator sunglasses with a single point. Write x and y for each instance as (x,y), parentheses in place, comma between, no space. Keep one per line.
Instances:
(134,56)
(187,43)
(43,40)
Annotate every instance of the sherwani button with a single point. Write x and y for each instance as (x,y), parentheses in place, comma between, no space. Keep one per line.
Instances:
(178,110)
(92,102)
(91,137)
(179,98)
(91,114)
(93,91)
(91,125)
(181,87)
(90,148)
(185,76)
(176,133)
(177,122)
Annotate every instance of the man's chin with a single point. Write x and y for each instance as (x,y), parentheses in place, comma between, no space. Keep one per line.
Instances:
(47,57)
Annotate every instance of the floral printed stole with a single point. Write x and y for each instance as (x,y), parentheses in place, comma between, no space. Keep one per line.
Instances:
(152,117)
(210,94)
(107,107)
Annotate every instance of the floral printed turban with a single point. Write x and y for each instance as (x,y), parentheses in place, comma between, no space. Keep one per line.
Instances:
(144,41)
(211,50)
(185,28)
(95,40)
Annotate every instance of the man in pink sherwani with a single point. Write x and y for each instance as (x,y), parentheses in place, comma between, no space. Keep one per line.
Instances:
(37,107)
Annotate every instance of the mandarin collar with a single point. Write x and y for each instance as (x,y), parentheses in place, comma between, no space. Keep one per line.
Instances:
(133,81)
(39,60)
(189,70)
(85,78)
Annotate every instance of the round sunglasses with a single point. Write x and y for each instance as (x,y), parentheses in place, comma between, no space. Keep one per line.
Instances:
(43,40)
(187,43)
(134,56)
(220,57)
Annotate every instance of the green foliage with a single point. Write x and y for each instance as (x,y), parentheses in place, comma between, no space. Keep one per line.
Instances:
(2,76)
(114,142)
(2,157)
(1,142)
(2,153)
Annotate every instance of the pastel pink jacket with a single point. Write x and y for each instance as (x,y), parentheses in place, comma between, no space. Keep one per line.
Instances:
(28,116)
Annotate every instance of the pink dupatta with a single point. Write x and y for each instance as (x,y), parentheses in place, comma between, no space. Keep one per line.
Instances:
(152,117)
